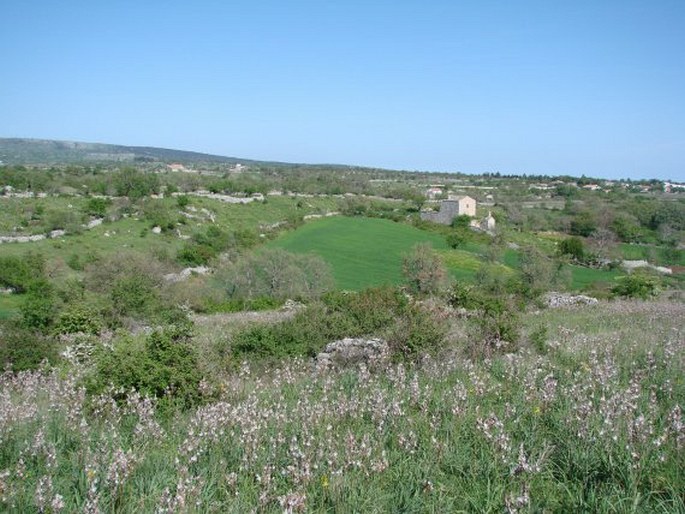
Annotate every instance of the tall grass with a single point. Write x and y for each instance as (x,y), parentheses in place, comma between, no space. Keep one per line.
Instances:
(591,422)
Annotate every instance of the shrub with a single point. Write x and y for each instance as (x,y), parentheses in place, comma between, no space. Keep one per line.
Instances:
(583,224)
(79,318)
(97,207)
(135,184)
(424,271)
(416,332)
(277,274)
(18,273)
(182,201)
(495,279)
(573,247)
(38,306)
(496,323)
(133,284)
(206,245)
(636,285)
(497,326)
(195,254)
(461,222)
(411,330)
(79,260)
(539,273)
(163,366)
(24,348)
(159,215)
(457,238)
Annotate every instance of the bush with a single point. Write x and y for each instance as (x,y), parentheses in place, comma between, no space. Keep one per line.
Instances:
(457,238)
(573,247)
(163,366)
(159,215)
(38,306)
(79,318)
(461,222)
(23,348)
(18,273)
(79,260)
(496,323)
(182,201)
(538,273)
(411,330)
(276,274)
(636,285)
(134,286)
(416,332)
(206,245)
(135,184)
(498,327)
(194,254)
(424,271)
(583,224)
(97,207)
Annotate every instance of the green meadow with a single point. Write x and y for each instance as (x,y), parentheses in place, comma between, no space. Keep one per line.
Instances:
(367,252)
(362,252)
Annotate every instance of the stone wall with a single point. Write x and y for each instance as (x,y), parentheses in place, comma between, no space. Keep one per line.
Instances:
(449,209)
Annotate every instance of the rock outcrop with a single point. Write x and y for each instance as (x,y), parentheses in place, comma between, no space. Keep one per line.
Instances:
(555,300)
(352,352)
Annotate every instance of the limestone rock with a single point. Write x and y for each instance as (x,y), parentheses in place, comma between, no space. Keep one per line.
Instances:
(556,300)
(352,352)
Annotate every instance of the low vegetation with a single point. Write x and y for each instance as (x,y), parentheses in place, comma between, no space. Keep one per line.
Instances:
(161,336)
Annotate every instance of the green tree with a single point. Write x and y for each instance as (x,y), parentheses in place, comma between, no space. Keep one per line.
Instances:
(457,238)
(38,306)
(135,184)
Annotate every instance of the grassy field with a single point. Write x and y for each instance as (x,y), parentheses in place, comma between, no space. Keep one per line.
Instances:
(367,252)
(362,252)
(135,234)
(654,254)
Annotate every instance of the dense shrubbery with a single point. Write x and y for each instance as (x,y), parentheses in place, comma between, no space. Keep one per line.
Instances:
(134,183)
(410,329)
(23,348)
(79,318)
(164,366)
(132,286)
(275,274)
(159,215)
(18,273)
(206,245)
(637,285)
(38,305)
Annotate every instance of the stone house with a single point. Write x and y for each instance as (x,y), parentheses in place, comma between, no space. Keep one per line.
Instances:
(450,209)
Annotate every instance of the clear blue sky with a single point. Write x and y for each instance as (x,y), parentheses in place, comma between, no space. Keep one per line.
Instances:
(594,87)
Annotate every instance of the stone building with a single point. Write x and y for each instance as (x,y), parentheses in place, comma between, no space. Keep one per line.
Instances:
(450,209)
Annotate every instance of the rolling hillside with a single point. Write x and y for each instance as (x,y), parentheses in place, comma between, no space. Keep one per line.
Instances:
(45,151)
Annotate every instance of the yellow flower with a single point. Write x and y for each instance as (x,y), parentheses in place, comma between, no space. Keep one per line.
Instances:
(536,410)
(324,482)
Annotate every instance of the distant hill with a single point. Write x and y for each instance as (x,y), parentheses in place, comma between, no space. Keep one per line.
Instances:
(46,151)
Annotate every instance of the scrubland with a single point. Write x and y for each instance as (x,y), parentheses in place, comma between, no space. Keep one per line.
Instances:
(585,416)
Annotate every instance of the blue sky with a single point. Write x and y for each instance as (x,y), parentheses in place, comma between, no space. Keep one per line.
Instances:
(594,87)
